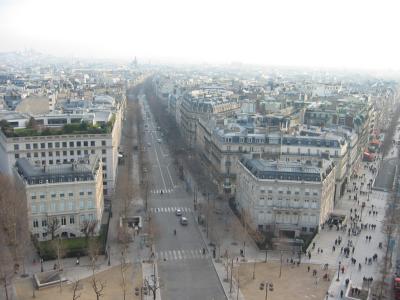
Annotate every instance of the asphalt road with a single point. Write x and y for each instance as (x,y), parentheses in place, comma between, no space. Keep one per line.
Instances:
(184,271)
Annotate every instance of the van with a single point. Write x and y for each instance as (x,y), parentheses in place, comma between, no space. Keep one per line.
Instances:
(184,221)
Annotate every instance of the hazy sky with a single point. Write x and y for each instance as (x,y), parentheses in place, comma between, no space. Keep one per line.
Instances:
(340,33)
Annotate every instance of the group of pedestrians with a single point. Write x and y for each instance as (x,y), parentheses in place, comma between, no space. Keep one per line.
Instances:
(359,220)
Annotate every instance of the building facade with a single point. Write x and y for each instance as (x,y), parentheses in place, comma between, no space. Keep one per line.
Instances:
(285,198)
(62,199)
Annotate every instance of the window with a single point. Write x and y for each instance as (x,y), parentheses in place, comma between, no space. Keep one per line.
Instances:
(64,144)
(90,204)
(42,195)
(51,154)
(34,208)
(104,167)
(81,204)
(89,193)
(71,152)
(70,194)
(16,155)
(78,152)
(57,153)
(78,144)
(71,220)
(44,234)
(61,207)
(82,219)
(33,196)
(42,145)
(103,143)
(53,206)
(103,151)
(71,144)
(35,146)
(104,159)
(16,146)
(62,195)
(104,191)
(92,143)
(85,143)
(91,217)
(50,145)
(35,223)
(35,154)
(57,144)
(92,151)
(71,205)
(43,154)
(65,153)
(81,193)
(63,221)
(28,155)
(86,152)
(44,223)
(42,206)
(28,146)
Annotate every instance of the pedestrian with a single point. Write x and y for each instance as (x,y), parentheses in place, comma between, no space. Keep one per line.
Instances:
(366,259)
(354,249)
(359,267)
(333,248)
(342,269)
(308,268)
(322,251)
(341,294)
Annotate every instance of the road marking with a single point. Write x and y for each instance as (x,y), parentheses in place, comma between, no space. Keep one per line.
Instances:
(179,254)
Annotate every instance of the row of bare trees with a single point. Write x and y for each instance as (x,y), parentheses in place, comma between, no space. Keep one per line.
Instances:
(188,159)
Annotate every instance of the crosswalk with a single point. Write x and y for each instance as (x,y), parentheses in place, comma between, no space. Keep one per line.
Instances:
(170,209)
(168,191)
(181,254)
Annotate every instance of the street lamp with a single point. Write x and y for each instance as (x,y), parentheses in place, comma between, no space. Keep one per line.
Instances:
(109,255)
(268,286)
(338,271)
(41,265)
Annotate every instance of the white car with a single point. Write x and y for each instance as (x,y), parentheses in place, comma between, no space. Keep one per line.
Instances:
(159,141)
(178,212)
(184,221)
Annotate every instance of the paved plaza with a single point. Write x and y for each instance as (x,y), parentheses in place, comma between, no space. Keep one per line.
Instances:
(296,282)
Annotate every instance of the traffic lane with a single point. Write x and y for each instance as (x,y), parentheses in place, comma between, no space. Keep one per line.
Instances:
(162,162)
(190,280)
(187,236)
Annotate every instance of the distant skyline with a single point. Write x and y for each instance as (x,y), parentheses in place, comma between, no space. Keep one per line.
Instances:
(342,33)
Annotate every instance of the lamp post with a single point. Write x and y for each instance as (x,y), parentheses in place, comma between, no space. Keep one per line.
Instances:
(109,255)
(41,265)
(338,271)
(268,286)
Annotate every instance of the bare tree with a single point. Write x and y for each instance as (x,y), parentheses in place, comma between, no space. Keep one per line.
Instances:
(98,286)
(75,288)
(59,249)
(53,224)
(89,228)
(123,268)
(13,229)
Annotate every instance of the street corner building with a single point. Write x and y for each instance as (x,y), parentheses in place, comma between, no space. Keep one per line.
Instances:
(287,199)
(61,199)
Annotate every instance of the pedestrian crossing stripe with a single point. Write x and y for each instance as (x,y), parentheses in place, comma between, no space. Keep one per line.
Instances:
(169,209)
(181,254)
(168,191)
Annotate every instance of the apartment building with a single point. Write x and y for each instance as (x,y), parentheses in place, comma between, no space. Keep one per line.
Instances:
(61,198)
(65,148)
(223,145)
(285,198)
(204,103)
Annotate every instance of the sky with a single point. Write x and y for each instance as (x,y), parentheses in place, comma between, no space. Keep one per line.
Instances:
(324,33)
